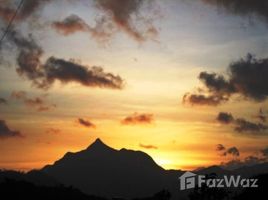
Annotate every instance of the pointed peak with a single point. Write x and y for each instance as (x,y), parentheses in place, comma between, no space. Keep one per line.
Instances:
(99,145)
(98,141)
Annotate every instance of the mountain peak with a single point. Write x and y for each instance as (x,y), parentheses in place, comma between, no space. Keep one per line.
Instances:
(99,145)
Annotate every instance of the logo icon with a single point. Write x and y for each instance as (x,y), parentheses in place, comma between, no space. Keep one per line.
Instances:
(187,180)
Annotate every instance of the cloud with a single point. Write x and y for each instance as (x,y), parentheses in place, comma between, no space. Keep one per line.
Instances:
(264,152)
(3,101)
(227,151)
(6,13)
(148,146)
(138,119)
(243,125)
(261,116)
(225,118)
(5,132)
(56,69)
(53,130)
(101,32)
(247,161)
(70,25)
(86,123)
(243,7)
(220,147)
(240,124)
(232,151)
(28,7)
(38,103)
(122,14)
(237,163)
(69,71)
(200,99)
(246,77)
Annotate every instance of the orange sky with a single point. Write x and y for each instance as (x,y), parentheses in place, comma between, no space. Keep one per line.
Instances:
(157,71)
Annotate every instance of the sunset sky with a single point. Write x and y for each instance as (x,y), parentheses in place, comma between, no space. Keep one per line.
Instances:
(184,81)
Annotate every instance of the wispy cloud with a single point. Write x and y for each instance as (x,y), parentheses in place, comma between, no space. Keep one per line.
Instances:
(38,103)
(102,31)
(86,123)
(123,15)
(6,132)
(136,118)
(148,146)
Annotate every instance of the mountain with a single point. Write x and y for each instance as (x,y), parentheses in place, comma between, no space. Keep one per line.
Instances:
(103,171)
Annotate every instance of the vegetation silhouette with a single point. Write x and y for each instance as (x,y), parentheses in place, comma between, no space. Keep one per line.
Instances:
(18,189)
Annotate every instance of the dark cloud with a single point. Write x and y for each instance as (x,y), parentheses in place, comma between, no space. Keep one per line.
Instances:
(227,151)
(102,31)
(200,99)
(246,77)
(7,9)
(123,12)
(241,124)
(3,101)
(86,123)
(148,146)
(243,7)
(56,69)
(216,83)
(38,103)
(225,118)
(69,71)
(220,147)
(28,59)
(138,119)
(5,132)
(249,77)
(232,151)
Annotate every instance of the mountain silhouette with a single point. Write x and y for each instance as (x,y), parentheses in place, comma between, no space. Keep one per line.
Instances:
(104,171)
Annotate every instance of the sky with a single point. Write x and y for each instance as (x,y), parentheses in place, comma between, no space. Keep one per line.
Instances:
(184,81)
